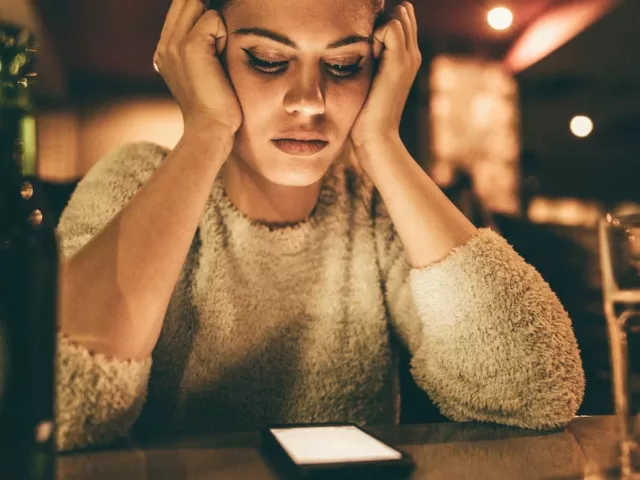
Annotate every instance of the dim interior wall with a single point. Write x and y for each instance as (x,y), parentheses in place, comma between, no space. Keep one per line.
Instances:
(72,139)
(57,137)
(107,125)
(474,119)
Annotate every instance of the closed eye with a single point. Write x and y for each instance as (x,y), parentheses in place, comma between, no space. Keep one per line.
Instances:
(274,68)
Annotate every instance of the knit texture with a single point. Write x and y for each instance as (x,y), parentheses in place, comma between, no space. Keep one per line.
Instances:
(294,325)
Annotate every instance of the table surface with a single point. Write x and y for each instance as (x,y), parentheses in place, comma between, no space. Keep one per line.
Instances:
(585,449)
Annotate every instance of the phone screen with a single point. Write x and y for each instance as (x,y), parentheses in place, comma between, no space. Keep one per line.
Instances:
(332,444)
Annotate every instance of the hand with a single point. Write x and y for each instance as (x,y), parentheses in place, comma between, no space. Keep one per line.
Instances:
(187,58)
(397,43)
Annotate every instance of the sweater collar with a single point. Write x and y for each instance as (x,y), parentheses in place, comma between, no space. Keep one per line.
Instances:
(287,240)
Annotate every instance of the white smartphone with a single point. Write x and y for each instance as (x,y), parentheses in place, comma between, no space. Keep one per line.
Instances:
(333,451)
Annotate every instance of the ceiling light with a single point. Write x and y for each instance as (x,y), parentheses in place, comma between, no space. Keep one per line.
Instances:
(581,126)
(500,18)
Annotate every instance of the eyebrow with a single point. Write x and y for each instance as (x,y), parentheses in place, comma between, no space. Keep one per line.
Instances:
(278,37)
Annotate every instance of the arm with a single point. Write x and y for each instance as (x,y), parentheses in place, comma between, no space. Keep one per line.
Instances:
(141,250)
(137,238)
(490,341)
(127,231)
(421,212)
(102,381)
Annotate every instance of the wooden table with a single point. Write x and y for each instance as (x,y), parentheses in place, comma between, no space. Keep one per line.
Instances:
(586,449)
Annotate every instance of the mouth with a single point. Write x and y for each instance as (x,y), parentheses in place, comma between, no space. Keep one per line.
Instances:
(299,147)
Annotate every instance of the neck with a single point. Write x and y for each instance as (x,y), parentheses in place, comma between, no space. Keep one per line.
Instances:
(265,201)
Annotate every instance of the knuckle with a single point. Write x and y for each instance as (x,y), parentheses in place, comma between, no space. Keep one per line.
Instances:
(210,16)
(172,51)
(188,46)
(159,58)
(212,13)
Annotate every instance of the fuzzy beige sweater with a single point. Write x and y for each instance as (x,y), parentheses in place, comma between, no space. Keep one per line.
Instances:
(295,325)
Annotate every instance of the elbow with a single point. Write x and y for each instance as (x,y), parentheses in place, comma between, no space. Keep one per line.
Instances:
(552,403)
(97,399)
(549,403)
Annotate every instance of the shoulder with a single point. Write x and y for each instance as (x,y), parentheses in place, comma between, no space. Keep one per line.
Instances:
(136,160)
(104,190)
(116,176)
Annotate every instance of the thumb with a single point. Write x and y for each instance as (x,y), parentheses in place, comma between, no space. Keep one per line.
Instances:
(378,41)
(221,44)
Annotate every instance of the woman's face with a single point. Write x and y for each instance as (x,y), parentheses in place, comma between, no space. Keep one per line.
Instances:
(313,86)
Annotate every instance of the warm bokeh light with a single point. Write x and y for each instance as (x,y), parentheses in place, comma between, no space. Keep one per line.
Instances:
(474,124)
(553,29)
(565,211)
(581,126)
(500,18)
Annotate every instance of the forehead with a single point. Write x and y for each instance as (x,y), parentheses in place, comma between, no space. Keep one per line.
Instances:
(303,19)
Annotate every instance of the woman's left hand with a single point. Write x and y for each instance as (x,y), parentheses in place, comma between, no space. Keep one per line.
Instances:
(397,43)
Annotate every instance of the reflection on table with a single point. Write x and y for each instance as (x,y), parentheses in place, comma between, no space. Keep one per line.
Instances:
(586,449)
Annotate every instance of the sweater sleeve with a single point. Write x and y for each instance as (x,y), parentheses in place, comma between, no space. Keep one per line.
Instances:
(98,399)
(489,339)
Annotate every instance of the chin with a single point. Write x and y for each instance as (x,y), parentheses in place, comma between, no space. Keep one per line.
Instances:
(294,171)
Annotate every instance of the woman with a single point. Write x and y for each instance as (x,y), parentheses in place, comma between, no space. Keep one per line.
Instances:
(265,275)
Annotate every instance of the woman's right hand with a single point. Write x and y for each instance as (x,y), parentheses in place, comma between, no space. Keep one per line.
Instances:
(187,58)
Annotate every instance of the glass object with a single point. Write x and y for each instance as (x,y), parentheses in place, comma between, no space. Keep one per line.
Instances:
(28,276)
(620,264)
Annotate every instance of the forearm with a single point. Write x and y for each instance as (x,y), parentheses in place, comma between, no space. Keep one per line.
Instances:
(428,224)
(116,289)
(491,340)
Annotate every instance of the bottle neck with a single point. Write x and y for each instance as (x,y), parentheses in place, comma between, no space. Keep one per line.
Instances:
(17,142)
(17,122)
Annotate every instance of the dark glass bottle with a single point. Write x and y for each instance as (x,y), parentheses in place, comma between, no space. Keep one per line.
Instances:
(28,276)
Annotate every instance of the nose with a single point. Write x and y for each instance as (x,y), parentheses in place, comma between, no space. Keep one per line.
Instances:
(306,94)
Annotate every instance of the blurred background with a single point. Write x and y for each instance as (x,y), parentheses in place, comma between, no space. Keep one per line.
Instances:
(526,113)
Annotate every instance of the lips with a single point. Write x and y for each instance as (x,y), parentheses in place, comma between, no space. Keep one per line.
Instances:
(302,134)
(300,147)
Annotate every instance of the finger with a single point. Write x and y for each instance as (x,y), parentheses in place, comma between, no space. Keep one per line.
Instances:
(167,29)
(414,22)
(378,41)
(191,12)
(393,38)
(414,41)
(210,28)
(169,22)
(402,14)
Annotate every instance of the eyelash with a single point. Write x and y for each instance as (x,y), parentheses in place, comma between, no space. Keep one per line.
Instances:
(274,68)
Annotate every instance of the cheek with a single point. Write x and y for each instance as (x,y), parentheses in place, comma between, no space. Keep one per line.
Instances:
(345,100)
(252,92)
